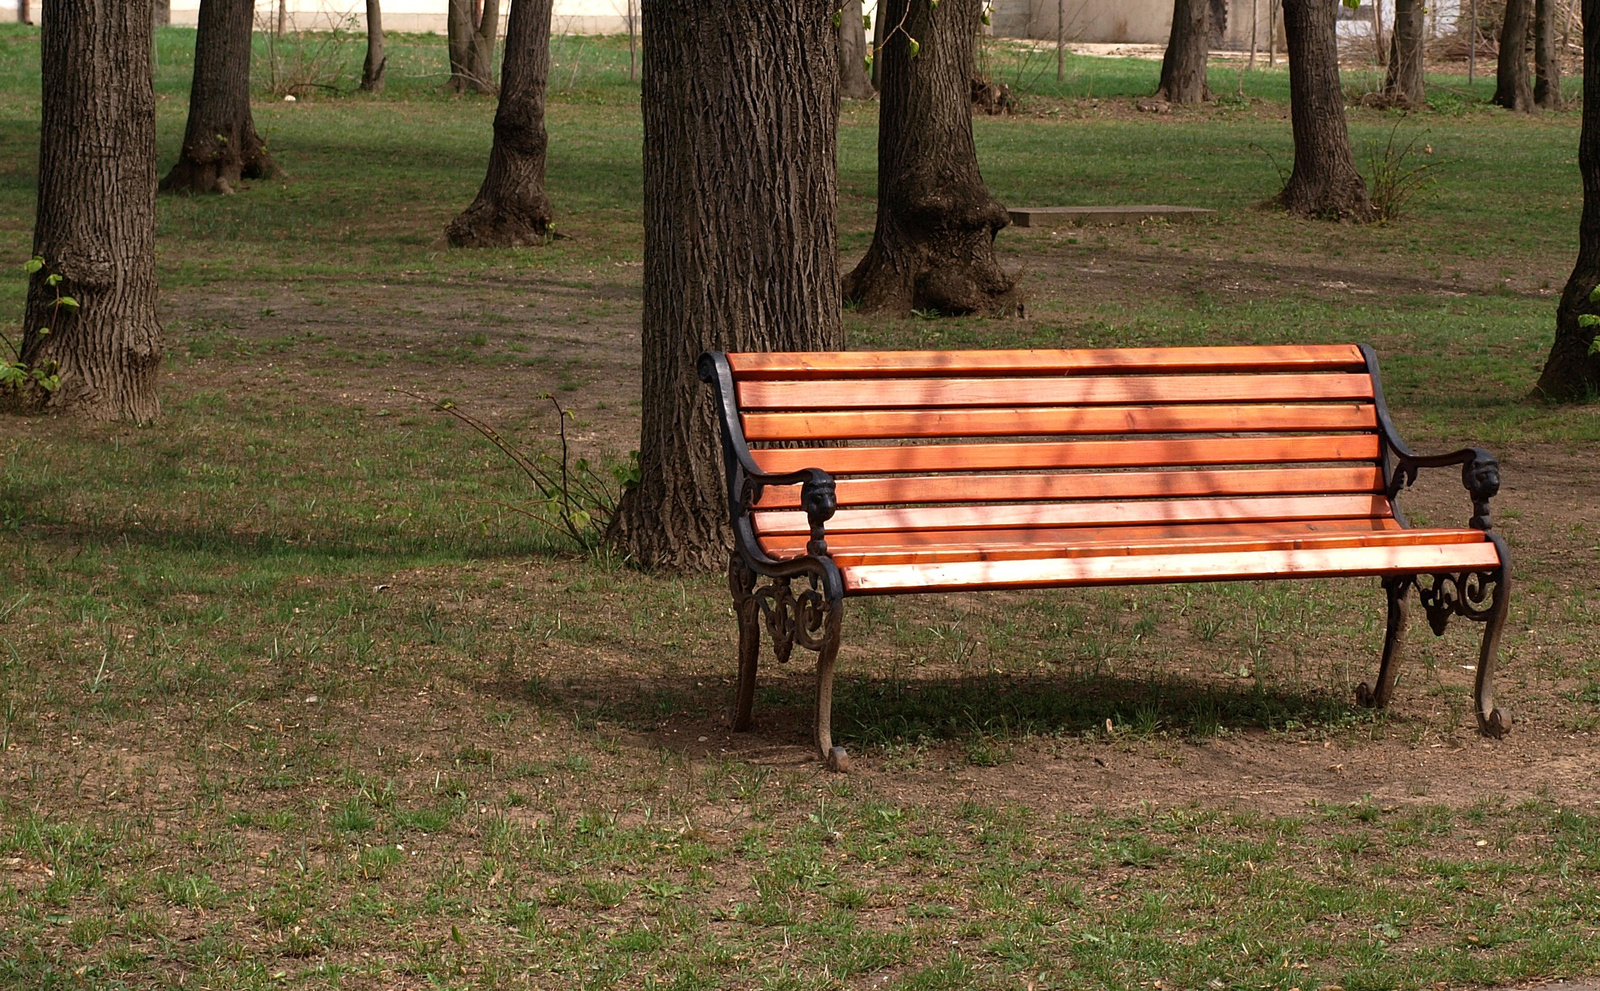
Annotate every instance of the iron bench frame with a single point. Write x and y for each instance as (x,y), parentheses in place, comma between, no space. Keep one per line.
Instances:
(764,592)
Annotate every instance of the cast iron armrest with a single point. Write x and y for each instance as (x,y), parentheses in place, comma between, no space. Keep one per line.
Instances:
(1480,476)
(818,499)
(1480,472)
(746,479)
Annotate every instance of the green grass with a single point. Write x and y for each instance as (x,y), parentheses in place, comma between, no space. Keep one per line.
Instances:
(289,698)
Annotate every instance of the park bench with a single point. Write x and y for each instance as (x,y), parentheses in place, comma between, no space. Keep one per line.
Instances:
(878,473)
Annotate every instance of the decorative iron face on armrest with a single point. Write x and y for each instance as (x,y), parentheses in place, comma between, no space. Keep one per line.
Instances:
(819,500)
(1481,477)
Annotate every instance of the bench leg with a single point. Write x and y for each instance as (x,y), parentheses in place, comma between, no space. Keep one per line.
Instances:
(835,757)
(1492,721)
(807,618)
(742,583)
(1483,597)
(1397,589)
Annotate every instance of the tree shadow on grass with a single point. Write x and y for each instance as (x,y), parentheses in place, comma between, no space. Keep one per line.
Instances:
(873,713)
(887,712)
(357,546)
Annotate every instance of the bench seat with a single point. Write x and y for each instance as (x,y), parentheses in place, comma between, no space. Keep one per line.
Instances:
(939,560)
(888,472)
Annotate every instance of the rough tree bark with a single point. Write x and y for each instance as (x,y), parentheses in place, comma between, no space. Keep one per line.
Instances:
(1511,88)
(741,99)
(877,45)
(1404,82)
(471,43)
(1324,182)
(1183,67)
(934,244)
(1546,69)
(372,70)
(95,225)
(1572,371)
(220,145)
(854,83)
(512,208)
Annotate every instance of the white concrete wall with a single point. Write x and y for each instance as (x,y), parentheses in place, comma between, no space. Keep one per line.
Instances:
(1134,21)
(1150,21)
(569,17)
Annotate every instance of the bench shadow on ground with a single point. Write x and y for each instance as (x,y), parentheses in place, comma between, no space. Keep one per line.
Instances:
(872,713)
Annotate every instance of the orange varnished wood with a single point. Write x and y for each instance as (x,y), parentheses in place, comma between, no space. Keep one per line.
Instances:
(1097,390)
(1087,485)
(889,364)
(870,424)
(945,546)
(903,518)
(1092,535)
(1109,569)
(1072,454)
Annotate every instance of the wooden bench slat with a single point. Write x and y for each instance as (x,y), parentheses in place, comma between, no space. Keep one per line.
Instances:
(889,364)
(880,424)
(1093,535)
(1001,545)
(1034,514)
(1149,568)
(1098,390)
(1084,485)
(895,459)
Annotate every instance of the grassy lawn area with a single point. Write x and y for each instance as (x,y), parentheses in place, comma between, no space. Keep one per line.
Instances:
(289,698)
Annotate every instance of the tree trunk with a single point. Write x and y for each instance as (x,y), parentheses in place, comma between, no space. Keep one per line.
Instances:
(471,36)
(220,146)
(23,14)
(877,45)
(1546,70)
(1183,67)
(96,220)
(512,208)
(1572,371)
(480,49)
(372,71)
(163,13)
(854,83)
(1404,83)
(741,101)
(458,37)
(1511,89)
(1324,182)
(934,244)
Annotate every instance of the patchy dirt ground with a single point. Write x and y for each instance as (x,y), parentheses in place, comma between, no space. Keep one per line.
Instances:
(458,735)
(575,336)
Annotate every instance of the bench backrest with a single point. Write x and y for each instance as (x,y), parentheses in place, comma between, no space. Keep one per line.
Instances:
(959,439)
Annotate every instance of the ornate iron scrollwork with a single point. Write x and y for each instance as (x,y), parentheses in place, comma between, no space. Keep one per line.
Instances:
(1469,594)
(790,617)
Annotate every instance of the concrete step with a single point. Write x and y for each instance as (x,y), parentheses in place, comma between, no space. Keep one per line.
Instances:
(1083,216)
